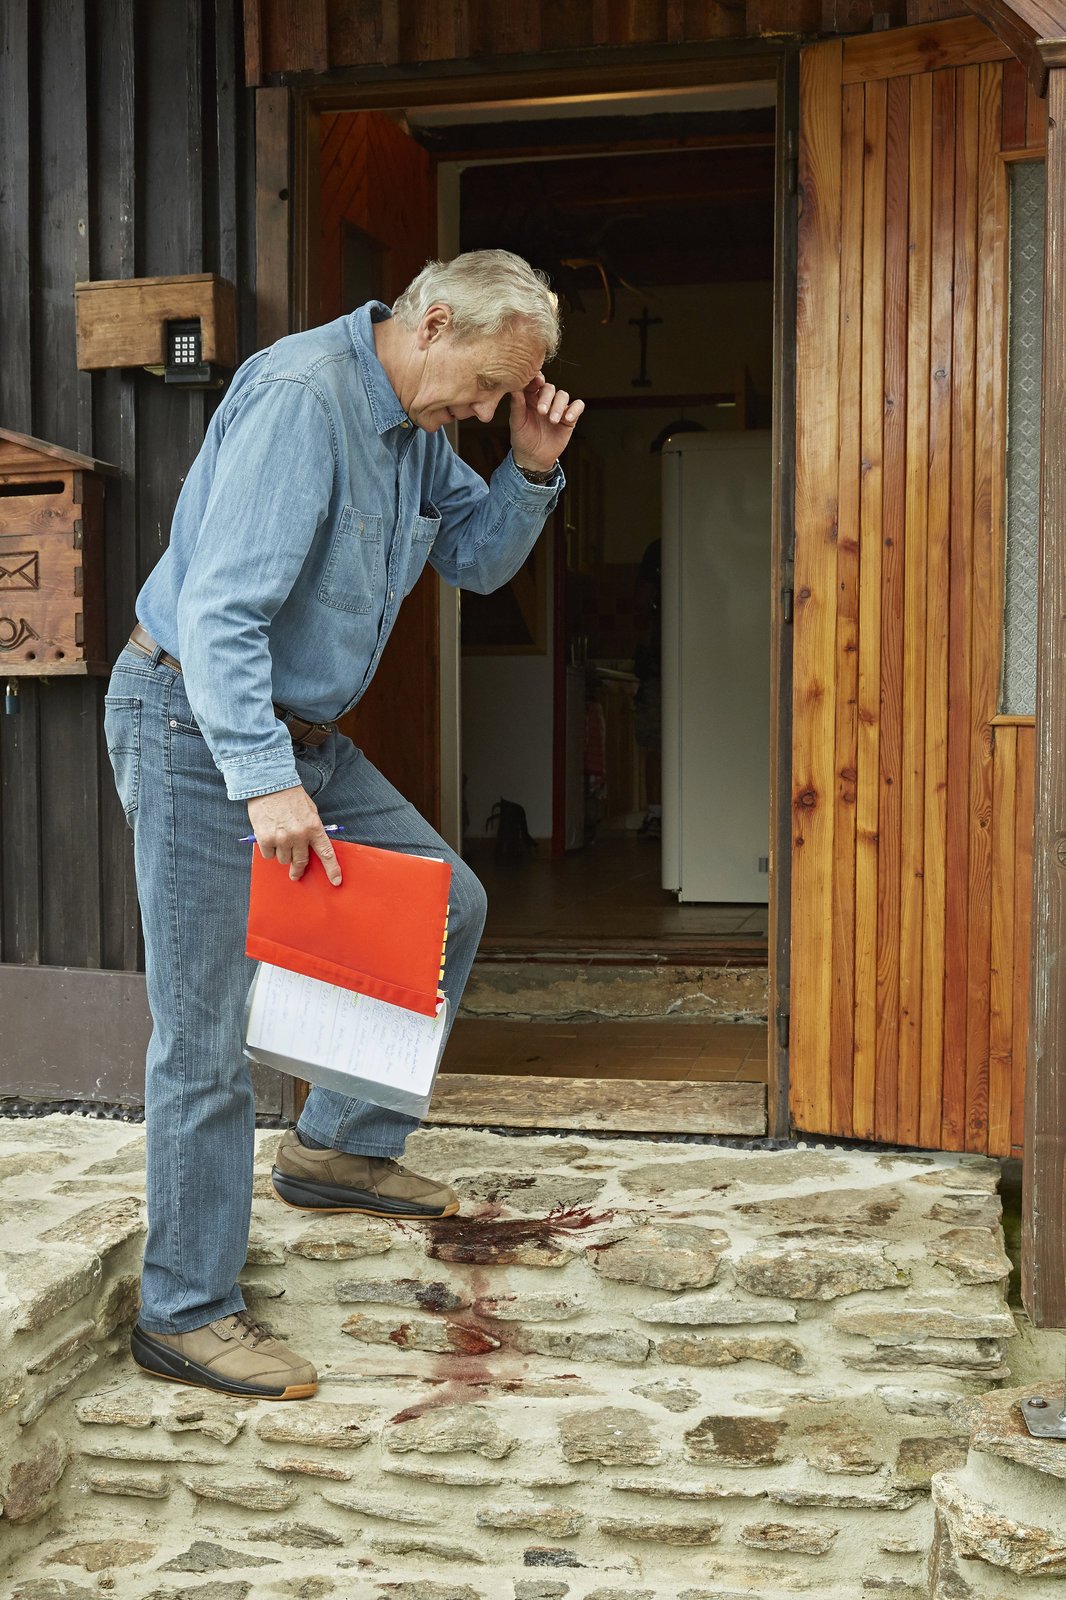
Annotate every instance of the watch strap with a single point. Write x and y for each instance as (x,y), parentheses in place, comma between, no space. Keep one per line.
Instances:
(541,478)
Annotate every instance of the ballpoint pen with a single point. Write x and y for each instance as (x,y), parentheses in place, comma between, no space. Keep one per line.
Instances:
(330,827)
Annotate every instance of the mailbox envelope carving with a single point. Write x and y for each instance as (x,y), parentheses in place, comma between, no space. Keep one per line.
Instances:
(51,559)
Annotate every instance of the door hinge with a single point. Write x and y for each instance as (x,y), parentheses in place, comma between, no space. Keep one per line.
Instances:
(791,163)
(788,597)
(783,1018)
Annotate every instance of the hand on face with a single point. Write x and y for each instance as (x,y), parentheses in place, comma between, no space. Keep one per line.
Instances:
(542,421)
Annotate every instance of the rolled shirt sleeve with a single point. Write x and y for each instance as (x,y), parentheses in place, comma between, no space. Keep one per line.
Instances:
(273,479)
(487,530)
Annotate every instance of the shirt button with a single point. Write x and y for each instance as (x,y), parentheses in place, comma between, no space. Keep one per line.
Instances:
(392,594)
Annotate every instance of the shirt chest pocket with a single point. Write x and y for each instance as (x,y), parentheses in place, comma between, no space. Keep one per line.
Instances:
(352,573)
(424,529)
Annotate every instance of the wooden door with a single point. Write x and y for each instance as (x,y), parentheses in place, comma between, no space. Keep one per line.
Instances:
(378,214)
(912,801)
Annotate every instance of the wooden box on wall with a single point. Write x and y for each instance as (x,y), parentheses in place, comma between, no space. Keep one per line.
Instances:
(51,559)
(121,322)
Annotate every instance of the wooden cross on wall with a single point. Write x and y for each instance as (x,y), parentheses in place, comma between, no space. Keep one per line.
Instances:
(643,323)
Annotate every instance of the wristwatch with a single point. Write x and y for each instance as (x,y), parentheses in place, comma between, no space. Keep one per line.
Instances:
(538,477)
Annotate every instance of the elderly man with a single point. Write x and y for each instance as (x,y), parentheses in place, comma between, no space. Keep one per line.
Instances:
(324,485)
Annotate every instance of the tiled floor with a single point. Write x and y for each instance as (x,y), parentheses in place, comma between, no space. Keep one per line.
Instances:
(609,891)
(697,1052)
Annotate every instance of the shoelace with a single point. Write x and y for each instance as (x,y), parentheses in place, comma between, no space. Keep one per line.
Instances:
(256,1329)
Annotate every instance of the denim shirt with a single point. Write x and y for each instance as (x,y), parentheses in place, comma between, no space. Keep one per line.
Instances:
(307,516)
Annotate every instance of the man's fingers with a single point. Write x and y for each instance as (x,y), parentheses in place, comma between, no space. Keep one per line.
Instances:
(559,405)
(328,856)
(295,853)
(553,403)
(287,827)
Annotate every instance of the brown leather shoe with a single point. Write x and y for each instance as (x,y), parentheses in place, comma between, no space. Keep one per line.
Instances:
(233,1355)
(333,1180)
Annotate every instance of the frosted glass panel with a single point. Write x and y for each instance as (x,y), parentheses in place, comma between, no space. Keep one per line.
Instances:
(1027,191)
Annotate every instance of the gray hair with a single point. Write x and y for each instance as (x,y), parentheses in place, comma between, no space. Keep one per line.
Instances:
(487,291)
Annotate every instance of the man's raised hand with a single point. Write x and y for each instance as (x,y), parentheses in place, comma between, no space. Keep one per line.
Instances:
(542,421)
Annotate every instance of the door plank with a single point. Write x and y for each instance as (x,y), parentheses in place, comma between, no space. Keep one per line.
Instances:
(272,160)
(1015,99)
(960,585)
(1035,119)
(986,560)
(1023,923)
(912,896)
(894,492)
(847,610)
(907,51)
(817,344)
(18,244)
(1001,1000)
(869,682)
(937,598)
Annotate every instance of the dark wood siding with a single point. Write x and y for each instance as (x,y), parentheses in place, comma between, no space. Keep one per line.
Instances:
(320,34)
(127,141)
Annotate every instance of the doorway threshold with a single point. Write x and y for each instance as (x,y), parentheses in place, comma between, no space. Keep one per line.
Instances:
(571,1105)
(622,1076)
(736,951)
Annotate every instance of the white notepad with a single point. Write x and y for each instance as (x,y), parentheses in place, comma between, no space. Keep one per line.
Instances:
(344,1041)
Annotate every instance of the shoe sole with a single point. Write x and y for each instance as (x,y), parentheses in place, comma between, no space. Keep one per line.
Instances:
(176,1368)
(303,1195)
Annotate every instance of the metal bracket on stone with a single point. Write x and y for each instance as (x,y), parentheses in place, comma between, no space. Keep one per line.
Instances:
(1043,1418)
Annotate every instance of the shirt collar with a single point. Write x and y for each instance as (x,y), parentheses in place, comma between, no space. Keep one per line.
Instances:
(385,406)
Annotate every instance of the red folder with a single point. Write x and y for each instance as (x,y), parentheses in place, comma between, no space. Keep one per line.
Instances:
(380,933)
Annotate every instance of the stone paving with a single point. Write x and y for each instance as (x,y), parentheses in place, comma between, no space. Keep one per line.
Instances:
(628,1370)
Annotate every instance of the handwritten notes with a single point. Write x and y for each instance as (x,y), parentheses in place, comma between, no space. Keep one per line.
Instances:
(344,1041)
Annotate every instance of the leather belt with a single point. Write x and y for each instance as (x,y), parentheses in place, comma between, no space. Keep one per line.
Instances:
(300,729)
(144,641)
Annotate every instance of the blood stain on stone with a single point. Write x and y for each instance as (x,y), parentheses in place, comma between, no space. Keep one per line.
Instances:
(482,1239)
(434,1296)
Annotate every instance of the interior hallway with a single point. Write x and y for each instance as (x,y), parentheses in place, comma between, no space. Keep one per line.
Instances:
(606,896)
(598,906)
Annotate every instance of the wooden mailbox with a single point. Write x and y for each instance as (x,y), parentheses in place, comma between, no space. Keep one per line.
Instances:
(51,559)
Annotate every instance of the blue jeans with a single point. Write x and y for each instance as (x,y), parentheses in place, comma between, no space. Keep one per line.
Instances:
(192,883)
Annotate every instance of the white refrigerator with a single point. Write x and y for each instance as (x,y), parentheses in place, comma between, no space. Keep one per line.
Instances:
(716,666)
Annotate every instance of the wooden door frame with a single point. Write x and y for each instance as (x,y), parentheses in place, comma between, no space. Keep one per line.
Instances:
(286,236)
(783,551)
(1044,1167)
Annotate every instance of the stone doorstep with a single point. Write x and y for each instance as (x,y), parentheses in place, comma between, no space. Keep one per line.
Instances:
(1000,1519)
(516,1434)
(1005,1516)
(207,1563)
